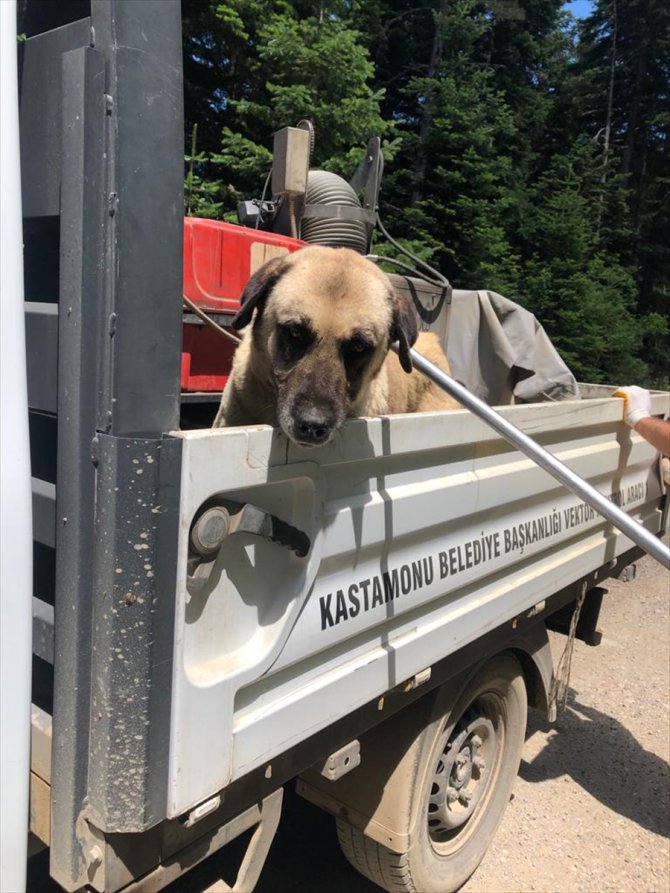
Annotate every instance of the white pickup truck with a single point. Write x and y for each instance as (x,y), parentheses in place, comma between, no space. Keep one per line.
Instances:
(368,618)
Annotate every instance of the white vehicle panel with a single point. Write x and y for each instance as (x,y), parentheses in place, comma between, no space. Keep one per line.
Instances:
(426,532)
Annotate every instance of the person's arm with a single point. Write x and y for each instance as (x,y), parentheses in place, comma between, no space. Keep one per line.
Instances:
(657,432)
(637,414)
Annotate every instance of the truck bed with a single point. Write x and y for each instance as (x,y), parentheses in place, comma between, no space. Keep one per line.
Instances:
(426,532)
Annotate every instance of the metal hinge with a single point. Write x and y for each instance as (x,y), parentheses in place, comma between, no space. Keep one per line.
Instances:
(342,761)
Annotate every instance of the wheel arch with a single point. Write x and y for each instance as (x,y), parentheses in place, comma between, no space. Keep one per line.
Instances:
(533,652)
(394,747)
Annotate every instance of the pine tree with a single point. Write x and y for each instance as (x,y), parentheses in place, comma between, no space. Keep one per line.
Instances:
(279,63)
(621,77)
(585,299)
(453,175)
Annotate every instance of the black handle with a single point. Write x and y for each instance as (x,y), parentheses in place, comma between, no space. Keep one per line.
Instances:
(219,519)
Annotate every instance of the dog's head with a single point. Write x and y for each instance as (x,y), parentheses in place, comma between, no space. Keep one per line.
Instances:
(323,322)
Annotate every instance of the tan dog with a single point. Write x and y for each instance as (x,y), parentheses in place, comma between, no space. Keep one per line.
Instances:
(318,350)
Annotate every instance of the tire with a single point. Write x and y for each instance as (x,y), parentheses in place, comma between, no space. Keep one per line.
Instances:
(462,784)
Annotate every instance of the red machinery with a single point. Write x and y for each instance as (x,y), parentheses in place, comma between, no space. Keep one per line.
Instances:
(219,258)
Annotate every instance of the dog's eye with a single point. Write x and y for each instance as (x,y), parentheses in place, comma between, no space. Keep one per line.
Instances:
(357,347)
(295,332)
(294,339)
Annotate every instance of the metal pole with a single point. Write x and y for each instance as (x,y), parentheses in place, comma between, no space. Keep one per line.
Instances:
(634,531)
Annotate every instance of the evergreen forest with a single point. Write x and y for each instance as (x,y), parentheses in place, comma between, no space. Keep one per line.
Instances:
(526,151)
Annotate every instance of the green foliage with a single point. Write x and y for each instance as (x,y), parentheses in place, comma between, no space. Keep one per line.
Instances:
(199,194)
(620,89)
(304,62)
(525,152)
(454,171)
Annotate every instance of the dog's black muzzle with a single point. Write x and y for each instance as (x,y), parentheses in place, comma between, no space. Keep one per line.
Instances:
(313,431)
(313,425)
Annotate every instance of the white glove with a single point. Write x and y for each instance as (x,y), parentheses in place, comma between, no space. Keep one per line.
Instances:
(636,404)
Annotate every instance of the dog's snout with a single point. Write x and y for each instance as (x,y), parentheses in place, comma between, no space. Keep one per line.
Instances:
(314,426)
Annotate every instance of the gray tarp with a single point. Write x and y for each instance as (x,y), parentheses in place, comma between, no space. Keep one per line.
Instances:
(501,353)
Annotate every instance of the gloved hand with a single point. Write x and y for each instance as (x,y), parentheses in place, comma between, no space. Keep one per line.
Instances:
(637,404)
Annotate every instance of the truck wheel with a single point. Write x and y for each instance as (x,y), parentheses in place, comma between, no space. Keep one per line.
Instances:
(459,791)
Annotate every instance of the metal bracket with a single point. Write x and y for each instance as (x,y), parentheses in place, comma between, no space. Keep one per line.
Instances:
(264,815)
(93,851)
(258,849)
(628,574)
(369,174)
(201,811)
(342,761)
(419,679)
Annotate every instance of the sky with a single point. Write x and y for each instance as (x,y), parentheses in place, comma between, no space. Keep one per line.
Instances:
(580,8)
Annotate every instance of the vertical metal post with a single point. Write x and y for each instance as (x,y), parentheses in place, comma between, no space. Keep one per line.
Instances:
(121,219)
(101,128)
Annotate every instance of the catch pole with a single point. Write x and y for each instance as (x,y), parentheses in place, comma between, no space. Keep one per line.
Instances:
(634,531)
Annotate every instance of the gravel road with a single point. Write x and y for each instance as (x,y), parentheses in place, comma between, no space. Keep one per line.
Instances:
(591,807)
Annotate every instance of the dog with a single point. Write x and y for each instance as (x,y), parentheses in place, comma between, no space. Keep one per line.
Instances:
(317,351)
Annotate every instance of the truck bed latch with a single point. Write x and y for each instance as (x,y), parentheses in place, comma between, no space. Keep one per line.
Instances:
(216,521)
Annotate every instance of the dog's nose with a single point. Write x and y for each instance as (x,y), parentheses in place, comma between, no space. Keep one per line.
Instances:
(314,427)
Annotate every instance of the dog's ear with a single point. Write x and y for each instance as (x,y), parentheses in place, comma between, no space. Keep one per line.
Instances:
(403,329)
(257,289)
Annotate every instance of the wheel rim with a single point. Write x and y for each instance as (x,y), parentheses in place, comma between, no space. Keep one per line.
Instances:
(464,773)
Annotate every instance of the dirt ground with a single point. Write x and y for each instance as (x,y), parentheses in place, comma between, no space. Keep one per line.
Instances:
(591,807)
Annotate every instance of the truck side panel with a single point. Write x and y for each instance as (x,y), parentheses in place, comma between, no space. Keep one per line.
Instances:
(427,532)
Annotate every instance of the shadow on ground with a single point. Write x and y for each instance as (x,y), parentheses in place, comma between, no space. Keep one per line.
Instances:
(602,756)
